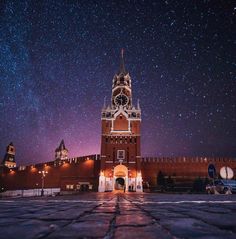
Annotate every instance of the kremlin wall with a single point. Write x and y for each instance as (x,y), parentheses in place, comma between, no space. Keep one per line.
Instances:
(82,173)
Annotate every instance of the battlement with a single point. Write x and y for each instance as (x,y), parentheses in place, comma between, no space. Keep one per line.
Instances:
(205,160)
(57,163)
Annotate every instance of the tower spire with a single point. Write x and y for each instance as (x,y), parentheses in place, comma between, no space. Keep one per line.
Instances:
(122,63)
(138,105)
(104,102)
(61,152)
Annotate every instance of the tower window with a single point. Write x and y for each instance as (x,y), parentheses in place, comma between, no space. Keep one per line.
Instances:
(120,154)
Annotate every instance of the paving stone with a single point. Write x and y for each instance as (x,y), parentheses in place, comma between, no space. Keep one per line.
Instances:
(133,212)
(105,209)
(214,209)
(148,232)
(8,221)
(158,215)
(128,208)
(129,215)
(226,221)
(82,230)
(107,217)
(192,228)
(70,214)
(29,229)
(129,220)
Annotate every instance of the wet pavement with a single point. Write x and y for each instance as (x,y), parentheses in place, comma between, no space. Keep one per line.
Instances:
(119,215)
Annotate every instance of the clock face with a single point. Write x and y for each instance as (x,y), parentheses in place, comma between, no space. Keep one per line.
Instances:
(121,100)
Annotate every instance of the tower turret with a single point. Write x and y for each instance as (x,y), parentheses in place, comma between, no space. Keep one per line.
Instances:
(61,153)
(9,158)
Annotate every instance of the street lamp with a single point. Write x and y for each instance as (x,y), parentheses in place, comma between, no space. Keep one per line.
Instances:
(43,173)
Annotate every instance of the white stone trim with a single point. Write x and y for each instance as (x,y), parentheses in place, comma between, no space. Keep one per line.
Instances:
(123,86)
(135,119)
(131,135)
(102,181)
(120,131)
(121,111)
(112,125)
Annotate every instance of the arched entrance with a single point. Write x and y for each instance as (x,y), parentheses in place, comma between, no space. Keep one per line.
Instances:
(120,177)
(119,184)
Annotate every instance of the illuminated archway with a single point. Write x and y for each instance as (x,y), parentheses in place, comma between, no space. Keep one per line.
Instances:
(120,179)
(120,171)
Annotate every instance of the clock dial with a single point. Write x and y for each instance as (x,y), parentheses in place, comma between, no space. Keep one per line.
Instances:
(121,100)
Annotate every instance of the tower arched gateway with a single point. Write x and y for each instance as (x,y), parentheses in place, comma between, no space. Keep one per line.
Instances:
(120,143)
(120,178)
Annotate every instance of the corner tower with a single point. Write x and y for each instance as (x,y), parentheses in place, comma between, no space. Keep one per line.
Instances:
(120,141)
(61,153)
(9,158)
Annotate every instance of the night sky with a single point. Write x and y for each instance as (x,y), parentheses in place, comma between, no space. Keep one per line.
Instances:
(58,59)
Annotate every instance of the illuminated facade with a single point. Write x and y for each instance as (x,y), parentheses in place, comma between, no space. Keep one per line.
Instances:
(9,158)
(119,164)
(61,153)
(120,143)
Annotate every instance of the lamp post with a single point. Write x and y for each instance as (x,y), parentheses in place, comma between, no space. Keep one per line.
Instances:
(43,173)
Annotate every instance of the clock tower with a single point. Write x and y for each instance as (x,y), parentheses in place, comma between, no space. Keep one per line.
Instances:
(120,141)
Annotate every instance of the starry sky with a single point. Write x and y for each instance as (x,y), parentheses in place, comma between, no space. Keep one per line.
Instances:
(58,59)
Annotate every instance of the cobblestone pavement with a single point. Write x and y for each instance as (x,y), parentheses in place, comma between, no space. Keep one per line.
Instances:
(119,215)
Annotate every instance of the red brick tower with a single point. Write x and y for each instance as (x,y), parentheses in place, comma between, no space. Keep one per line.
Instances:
(120,144)
(61,153)
(9,158)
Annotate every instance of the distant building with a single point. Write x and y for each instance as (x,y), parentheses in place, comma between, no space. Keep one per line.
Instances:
(120,163)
